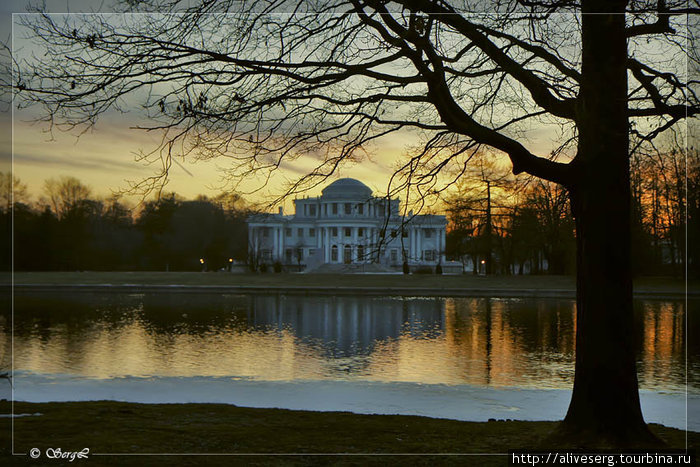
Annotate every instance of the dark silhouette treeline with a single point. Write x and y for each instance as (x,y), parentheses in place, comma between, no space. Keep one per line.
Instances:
(495,223)
(666,212)
(504,228)
(68,230)
(514,228)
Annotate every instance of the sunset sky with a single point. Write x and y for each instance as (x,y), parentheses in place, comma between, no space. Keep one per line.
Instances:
(104,158)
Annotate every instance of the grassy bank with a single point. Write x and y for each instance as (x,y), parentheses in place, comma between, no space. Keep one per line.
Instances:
(115,427)
(382,281)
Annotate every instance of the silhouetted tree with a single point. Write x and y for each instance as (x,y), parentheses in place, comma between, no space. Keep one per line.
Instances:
(477,212)
(65,194)
(556,226)
(12,193)
(12,190)
(264,89)
(154,222)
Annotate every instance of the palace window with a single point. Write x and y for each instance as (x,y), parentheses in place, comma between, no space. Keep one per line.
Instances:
(360,252)
(312,210)
(288,232)
(312,232)
(404,233)
(334,253)
(348,208)
(361,208)
(335,208)
(266,255)
(429,255)
(428,233)
(394,255)
(348,232)
(266,232)
(334,231)
(300,232)
(361,232)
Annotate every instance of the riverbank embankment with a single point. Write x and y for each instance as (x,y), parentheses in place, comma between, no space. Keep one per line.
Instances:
(334,284)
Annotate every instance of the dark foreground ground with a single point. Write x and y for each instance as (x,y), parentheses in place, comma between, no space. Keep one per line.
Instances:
(126,428)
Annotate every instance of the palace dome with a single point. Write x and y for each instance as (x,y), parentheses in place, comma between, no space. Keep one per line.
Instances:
(347,188)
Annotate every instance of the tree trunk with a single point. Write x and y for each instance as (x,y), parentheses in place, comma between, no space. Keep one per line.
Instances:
(489,247)
(604,408)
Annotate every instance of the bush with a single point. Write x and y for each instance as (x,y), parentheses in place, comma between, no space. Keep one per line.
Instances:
(406,269)
(263,268)
(423,270)
(438,269)
(277,266)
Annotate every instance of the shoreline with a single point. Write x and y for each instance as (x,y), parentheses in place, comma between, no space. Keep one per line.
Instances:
(331,290)
(456,401)
(463,285)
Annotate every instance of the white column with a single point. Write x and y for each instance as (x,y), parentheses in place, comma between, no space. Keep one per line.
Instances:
(412,243)
(353,253)
(273,247)
(419,245)
(327,248)
(443,242)
(438,242)
(275,243)
(279,242)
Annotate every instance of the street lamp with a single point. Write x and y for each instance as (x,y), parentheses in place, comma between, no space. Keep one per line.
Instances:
(201,261)
(230,264)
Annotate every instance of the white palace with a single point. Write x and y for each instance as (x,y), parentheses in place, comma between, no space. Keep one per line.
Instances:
(347,225)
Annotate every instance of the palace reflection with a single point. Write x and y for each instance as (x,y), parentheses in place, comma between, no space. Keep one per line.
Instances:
(483,342)
(347,325)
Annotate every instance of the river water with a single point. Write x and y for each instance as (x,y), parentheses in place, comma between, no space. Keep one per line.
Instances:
(276,346)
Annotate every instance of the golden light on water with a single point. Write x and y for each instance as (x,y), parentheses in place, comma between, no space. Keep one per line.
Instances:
(480,342)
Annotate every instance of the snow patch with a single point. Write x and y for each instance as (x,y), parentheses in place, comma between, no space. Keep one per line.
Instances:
(458,402)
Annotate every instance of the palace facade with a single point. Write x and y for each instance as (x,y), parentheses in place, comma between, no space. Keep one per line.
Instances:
(347,225)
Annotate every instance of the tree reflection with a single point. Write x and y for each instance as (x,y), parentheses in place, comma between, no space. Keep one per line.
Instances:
(479,341)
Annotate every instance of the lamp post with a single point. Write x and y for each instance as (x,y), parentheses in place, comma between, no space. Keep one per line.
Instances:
(230,264)
(204,266)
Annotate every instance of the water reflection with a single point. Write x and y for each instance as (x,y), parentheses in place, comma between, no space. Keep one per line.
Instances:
(348,325)
(485,342)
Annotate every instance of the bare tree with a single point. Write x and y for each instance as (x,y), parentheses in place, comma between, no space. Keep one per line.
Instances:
(65,193)
(328,79)
(12,191)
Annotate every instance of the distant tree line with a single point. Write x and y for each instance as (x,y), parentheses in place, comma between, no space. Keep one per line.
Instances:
(504,226)
(666,193)
(499,226)
(496,223)
(69,229)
